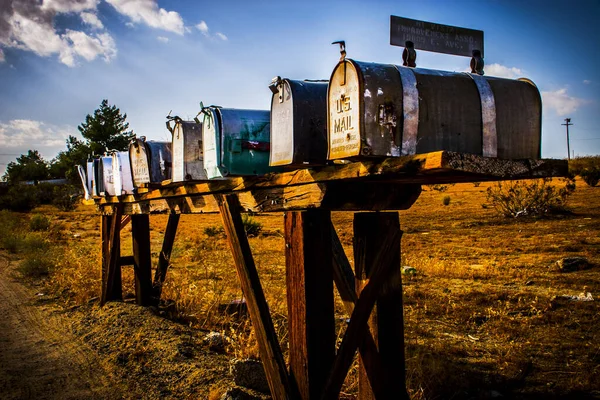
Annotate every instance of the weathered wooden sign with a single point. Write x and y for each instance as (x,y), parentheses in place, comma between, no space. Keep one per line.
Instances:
(438,38)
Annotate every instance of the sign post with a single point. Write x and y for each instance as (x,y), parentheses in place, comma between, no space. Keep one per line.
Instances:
(438,38)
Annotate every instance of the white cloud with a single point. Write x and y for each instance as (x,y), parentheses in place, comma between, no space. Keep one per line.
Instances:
(2,58)
(502,71)
(67,6)
(92,20)
(561,102)
(148,12)
(202,27)
(23,132)
(221,36)
(163,39)
(587,81)
(29,26)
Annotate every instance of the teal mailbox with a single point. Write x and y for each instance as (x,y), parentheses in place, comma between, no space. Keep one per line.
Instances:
(236,142)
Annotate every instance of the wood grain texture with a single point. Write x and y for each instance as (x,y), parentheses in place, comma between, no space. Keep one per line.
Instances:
(111,254)
(309,283)
(164,258)
(269,348)
(142,263)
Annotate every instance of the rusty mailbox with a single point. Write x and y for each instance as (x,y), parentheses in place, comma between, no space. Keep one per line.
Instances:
(298,122)
(122,178)
(389,110)
(187,155)
(106,186)
(150,161)
(236,142)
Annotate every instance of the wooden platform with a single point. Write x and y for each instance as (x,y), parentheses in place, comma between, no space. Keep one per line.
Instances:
(367,185)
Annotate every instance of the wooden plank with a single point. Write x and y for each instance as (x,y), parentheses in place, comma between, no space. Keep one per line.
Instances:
(345,283)
(310,299)
(426,168)
(142,262)
(386,323)
(164,257)
(382,264)
(270,350)
(126,260)
(111,232)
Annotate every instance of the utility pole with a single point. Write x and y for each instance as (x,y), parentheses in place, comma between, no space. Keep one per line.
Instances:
(567,124)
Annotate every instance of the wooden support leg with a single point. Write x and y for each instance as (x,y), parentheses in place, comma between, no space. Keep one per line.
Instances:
(111,254)
(386,323)
(164,257)
(358,326)
(310,299)
(142,263)
(268,344)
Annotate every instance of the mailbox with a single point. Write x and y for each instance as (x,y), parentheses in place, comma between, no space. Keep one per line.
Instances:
(150,161)
(236,142)
(389,110)
(298,123)
(92,176)
(123,181)
(106,186)
(187,151)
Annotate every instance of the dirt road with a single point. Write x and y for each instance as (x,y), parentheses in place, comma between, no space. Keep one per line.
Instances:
(39,356)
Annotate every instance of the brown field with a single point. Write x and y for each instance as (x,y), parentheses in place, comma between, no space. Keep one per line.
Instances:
(481,314)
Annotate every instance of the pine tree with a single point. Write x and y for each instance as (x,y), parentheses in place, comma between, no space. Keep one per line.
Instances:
(106,130)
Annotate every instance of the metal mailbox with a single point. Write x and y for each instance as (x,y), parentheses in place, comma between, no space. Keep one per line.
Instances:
(122,178)
(236,142)
(298,122)
(389,110)
(150,161)
(106,186)
(187,156)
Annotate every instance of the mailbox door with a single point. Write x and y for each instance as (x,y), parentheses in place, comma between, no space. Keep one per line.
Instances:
(123,181)
(282,126)
(245,136)
(89,173)
(97,185)
(159,156)
(343,111)
(178,163)
(211,144)
(138,156)
(107,181)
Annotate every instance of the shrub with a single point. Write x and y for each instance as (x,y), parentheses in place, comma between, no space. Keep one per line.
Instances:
(212,231)
(21,198)
(39,222)
(533,198)
(591,176)
(251,226)
(446,200)
(65,197)
(36,264)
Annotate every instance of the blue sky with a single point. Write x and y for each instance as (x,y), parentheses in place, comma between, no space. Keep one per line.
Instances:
(60,58)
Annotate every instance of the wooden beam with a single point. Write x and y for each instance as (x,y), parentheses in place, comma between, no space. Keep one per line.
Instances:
(386,323)
(429,168)
(164,258)
(310,299)
(111,251)
(357,328)
(142,262)
(270,350)
(126,260)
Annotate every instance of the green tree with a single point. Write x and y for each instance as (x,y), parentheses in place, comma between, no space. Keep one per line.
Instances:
(64,165)
(28,167)
(107,129)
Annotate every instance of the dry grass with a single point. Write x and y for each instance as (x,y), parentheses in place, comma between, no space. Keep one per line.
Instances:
(479,313)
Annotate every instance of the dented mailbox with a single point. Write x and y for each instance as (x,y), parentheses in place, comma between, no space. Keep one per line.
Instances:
(187,156)
(236,142)
(150,161)
(389,110)
(298,122)
(123,181)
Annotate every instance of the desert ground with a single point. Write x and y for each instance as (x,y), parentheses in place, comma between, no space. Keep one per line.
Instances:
(488,312)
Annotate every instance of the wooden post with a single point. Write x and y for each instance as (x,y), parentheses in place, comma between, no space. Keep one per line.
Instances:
(142,262)
(268,344)
(111,254)
(386,323)
(164,257)
(310,299)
